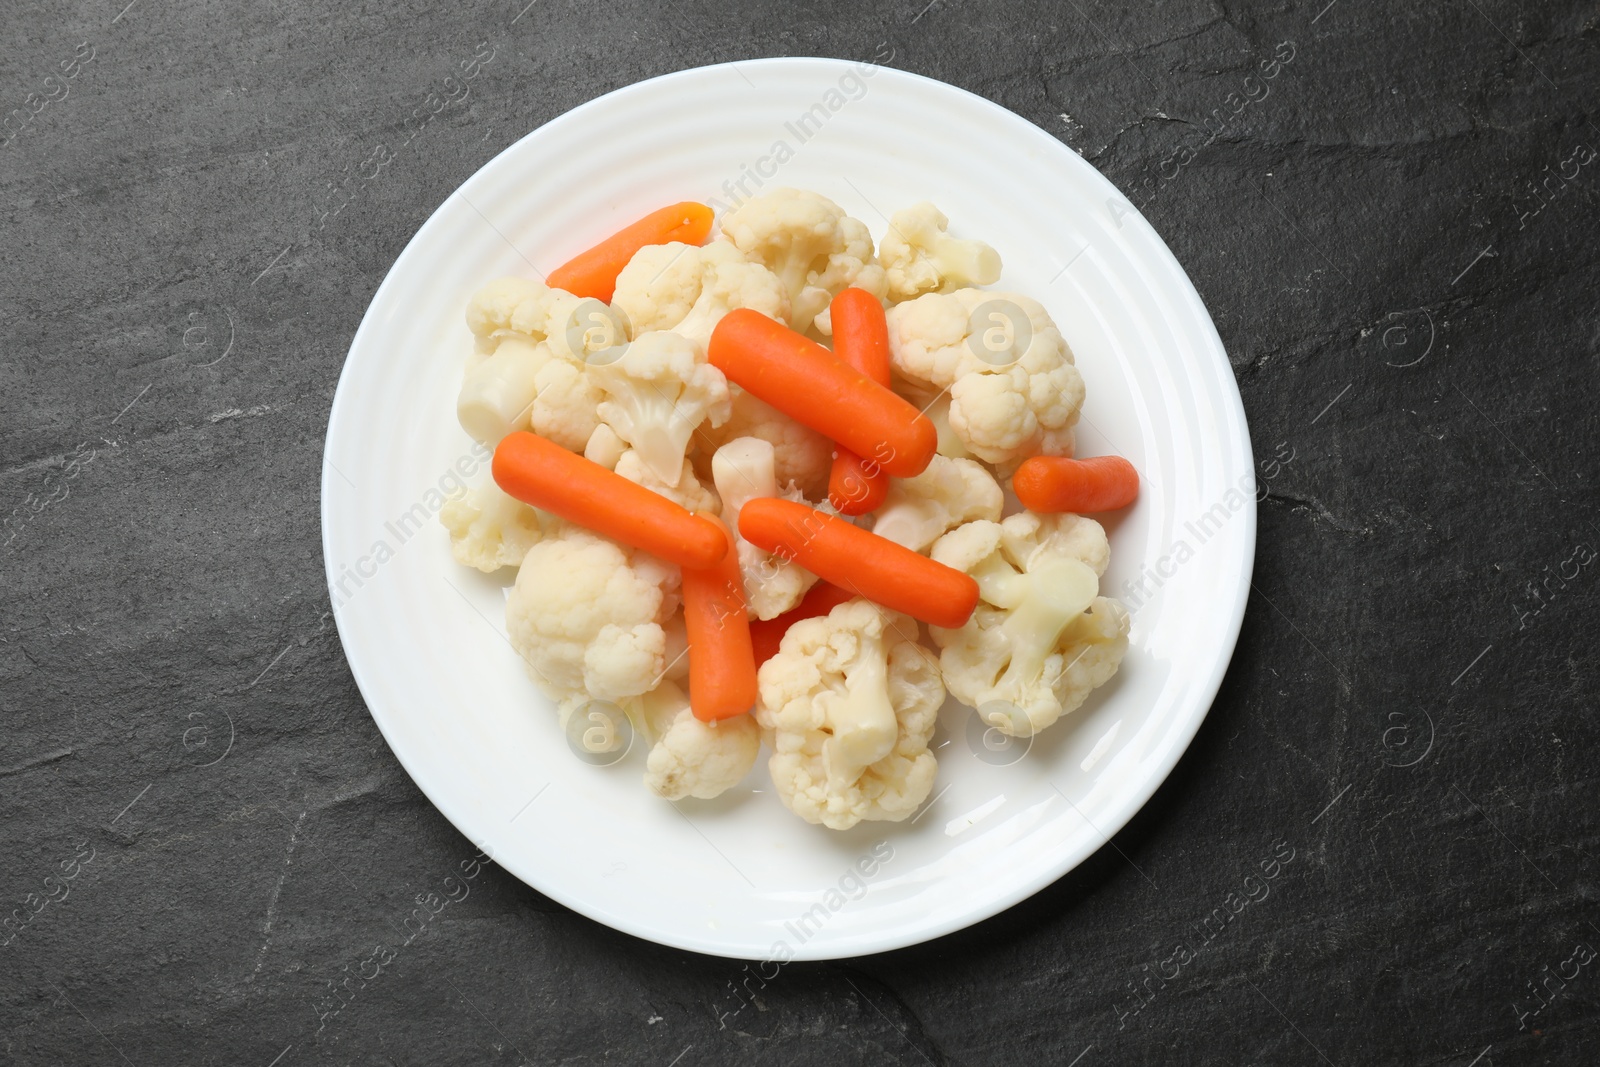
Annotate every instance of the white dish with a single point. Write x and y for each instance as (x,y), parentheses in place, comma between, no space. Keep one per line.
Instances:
(740,876)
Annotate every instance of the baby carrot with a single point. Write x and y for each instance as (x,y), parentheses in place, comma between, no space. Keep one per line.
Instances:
(861,339)
(594,273)
(871,566)
(814,387)
(767,634)
(722,668)
(1055,483)
(542,473)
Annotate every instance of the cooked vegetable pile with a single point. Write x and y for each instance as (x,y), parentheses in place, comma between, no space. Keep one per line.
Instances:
(771,468)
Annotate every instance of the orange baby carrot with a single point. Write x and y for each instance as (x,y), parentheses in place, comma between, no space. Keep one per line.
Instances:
(722,667)
(813,386)
(861,339)
(873,567)
(594,273)
(767,634)
(542,473)
(1055,483)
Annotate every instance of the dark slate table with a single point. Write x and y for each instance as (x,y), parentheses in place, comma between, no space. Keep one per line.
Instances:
(1397,240)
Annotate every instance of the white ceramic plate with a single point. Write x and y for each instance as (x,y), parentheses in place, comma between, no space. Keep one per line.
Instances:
(740,876)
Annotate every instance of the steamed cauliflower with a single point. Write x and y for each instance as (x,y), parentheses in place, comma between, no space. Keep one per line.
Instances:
(849,703)
(509,306)
(565,409)
(804,457)
(521,307)
(813,247)
(745,469)
(919,255)
(730,281)
(489,529)
(587,615)
(1042,638)
(525,386)
(659,286)
(690,758)
(657,393)
(938,413)
(1014,391)
(688,290)
(685,491)
(605,447)
(949,492)
(498,392)
(535,344)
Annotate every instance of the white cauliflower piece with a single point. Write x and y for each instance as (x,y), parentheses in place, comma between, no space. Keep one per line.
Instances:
(587,615)
(854,267)
(729,281)
(509,306)
(1014,391)
(498,393)
(1041,638)
(584,330)
(656,395)
(850,702)
(690,758)
(813,247)
(743,470)
(565,409)
(918,511)
(804,456)
(686,490)
(605,447)
(658,286)
(938,413)
(688,290)
(919,255)
(488,528)
(541,340)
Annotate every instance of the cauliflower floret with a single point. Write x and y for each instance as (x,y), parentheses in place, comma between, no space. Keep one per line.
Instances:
(1041,638)
(686,490)
(656,394)
(687,290)
(949,492)
(744,469)
(541,341)
(919,255)
(813,247)
(852,268)
(498,393)
(804,456)
(850,702)
(586,615)
(509,306)
(730,281)
(658,286)
(605,447)
(489,529)
(565,409)
(1014,391)
(690,758)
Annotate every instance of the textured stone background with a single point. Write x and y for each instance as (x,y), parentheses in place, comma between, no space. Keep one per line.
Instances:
(1415,333)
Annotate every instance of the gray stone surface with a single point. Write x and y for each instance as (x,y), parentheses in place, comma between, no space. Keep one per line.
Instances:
(1412,322)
